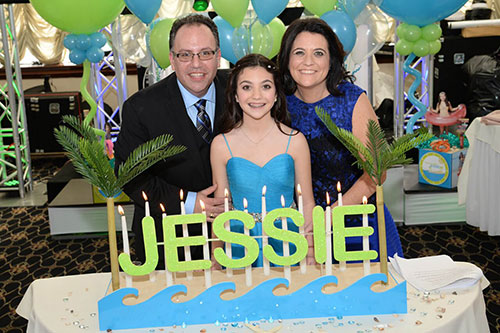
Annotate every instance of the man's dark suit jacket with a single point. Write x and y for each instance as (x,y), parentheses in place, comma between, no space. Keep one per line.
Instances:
(156,110)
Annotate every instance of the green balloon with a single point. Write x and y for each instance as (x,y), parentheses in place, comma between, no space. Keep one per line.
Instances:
(412,33)
(434,46)
(158,41)
(233,11)
(277,31)
(79,16)
(404,47)
(318,7)
(431,32)
(401,30)
(421,48)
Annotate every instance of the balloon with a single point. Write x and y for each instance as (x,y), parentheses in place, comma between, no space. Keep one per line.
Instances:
(95,54)
(343,26)
(318,7)
(267,10)
(158,41)
(421,12)
(277,31)
(431,32)
(230,10)
(225,39)
(252,37)
(353,7)
(98,39)
(145,10)
(404,47)
(77,16)
(373,29)
(421,48)
(401,30)
(70,41)
(77,56)
(434,46)
(131,43)
(412,33)
(83,42)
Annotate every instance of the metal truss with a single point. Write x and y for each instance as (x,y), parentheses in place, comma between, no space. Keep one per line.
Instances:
(103,85)
(403,109)
(15,159)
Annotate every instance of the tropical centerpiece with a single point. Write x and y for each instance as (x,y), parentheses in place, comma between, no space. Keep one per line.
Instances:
(87,153)
(375,158)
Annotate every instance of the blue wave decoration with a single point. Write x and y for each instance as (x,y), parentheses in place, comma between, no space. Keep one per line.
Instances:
(422,109)
(258,303)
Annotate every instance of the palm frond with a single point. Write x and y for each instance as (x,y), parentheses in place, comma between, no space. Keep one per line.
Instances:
(145,156)
(377,156)
(84,129)
(90,160)
(364,159)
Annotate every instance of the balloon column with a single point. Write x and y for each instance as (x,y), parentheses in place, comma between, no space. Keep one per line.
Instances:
(242,32)
(418,37)
(82,19)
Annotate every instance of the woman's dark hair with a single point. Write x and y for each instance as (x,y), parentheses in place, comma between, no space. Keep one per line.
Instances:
(336,72)
(233,116)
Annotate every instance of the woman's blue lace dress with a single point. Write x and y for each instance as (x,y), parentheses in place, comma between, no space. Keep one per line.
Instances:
(246,180)
(332,162)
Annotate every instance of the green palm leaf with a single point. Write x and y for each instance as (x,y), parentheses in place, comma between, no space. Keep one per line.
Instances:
(377,156)
(90,160)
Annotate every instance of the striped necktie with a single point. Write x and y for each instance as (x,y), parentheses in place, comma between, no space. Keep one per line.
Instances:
(203,124)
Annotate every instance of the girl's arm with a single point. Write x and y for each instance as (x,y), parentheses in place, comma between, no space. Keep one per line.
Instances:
(219,156)
(299,149)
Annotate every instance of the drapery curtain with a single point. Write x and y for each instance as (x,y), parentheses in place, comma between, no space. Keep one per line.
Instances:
(43,40)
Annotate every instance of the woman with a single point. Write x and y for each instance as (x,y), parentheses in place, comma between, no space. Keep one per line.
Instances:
(258,148)
(311,63)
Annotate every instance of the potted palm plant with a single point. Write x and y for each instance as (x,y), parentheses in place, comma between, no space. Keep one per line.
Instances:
(375,158)
(87,153)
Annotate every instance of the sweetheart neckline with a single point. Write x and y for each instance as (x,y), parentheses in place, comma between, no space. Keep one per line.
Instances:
(259,166)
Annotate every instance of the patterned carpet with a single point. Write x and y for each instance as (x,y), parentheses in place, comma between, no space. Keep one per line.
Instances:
(27,253)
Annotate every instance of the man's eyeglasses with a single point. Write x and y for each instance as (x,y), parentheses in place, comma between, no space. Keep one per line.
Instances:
(187,56)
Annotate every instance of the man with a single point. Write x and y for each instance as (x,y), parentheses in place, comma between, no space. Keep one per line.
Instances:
(187,104)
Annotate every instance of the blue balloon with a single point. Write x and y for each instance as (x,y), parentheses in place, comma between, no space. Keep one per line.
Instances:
(353,7)
(145,10)
(266,10)
(77,56)
(343,26)
(83,42)
(421,12)
(225,38)
(70,41)
(98,39)
(94,54)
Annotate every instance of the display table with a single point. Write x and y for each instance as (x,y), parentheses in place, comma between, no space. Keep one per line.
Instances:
(69,304)
(479,181)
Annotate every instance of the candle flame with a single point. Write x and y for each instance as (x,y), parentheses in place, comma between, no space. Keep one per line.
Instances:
(299,190)
(339,189)
(202,205)
(181,194)
(162,208)
(245,203)
(264,188)
(365,201)
(226,193)
(120,210)
(144,196)
(282,201)
(327,199)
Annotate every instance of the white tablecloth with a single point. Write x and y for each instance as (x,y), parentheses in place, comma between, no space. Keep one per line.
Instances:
(69,304)
(479,181)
